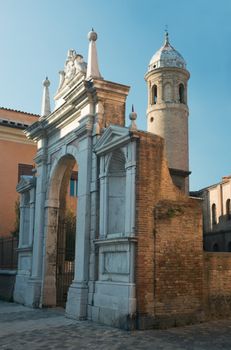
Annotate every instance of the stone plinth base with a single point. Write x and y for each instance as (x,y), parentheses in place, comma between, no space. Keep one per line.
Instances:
(27,291)
(76,306)
(114,304)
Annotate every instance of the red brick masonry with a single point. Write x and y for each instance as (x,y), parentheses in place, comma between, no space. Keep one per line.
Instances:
(177,283)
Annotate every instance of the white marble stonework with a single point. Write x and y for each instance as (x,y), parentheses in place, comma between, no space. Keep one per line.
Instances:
(115,263)
(26,188)
(103,286)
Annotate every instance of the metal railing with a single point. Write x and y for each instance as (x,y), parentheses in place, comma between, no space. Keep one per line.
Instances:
(8,253)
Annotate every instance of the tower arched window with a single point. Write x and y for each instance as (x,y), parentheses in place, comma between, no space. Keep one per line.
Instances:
(154,94)
(181,93)
(228,210)
(214,214)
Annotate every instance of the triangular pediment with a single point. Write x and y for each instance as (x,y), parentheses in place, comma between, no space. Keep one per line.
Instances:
(26,183)
(112,137)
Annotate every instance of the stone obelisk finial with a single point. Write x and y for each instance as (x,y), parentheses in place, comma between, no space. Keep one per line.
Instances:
(92,64)
(46,107)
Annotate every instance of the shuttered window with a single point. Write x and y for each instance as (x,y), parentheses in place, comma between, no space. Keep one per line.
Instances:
(24,169)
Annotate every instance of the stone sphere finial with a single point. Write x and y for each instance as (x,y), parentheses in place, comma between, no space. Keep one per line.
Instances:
(133,114)
(133,117)
(46,82)
(92,35)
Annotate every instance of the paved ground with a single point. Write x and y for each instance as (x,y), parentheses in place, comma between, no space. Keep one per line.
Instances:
(26,328)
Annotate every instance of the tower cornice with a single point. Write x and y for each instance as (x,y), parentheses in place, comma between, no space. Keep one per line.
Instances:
(161,70)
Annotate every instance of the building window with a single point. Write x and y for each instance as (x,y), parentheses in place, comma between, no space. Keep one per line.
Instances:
(181,93)
(24,169)
(215,247)
(74,184)
(214,214)
(228,210)
(154,94)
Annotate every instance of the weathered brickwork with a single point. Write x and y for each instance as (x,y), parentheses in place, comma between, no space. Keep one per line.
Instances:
(169,250)
(217,271)
(114,113)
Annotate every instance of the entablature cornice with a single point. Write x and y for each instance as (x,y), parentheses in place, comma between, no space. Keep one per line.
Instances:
(14,135)
(85,127)
(118,240)
(65,114)
(103,89)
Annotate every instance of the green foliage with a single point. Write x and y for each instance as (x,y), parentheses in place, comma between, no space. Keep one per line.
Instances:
(172,212)
(15,232)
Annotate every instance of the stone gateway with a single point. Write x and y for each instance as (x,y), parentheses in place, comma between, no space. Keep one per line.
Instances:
(107,227)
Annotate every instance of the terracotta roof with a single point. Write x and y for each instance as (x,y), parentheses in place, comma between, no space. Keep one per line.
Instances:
(15,110)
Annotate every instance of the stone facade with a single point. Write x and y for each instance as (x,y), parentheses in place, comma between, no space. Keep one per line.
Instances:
(217,215)
(139,261)
(16,150)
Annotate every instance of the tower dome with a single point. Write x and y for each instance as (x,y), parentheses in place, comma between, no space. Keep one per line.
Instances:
(166,56)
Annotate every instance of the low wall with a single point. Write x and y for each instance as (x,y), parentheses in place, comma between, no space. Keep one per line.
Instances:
(7,281)
(217,287)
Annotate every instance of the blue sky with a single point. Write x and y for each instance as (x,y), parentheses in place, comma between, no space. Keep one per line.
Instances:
(36,34)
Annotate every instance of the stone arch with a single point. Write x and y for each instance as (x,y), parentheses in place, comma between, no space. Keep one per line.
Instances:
(116,173)
(109,156)
(214,214)
(65,151)
(154,94)
(55,210)
(181,93)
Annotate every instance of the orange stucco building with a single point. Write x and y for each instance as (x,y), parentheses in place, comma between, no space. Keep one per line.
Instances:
(16,158)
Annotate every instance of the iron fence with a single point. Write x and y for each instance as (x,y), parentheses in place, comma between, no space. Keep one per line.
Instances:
(8,253)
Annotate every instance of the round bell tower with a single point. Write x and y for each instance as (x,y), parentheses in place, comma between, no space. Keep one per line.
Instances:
(167,112)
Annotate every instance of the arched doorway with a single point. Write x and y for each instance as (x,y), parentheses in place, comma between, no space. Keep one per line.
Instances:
(61,231)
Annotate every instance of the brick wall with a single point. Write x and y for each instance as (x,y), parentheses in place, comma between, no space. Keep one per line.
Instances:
(217,273)
(169,261)
(114,113)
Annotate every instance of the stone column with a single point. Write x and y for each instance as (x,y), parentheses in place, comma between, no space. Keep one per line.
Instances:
(130,191)
(26,189)
(77,300)
(93,260)
(22,215)
(48,294)
(103,203)
(32,212)
(34,283)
